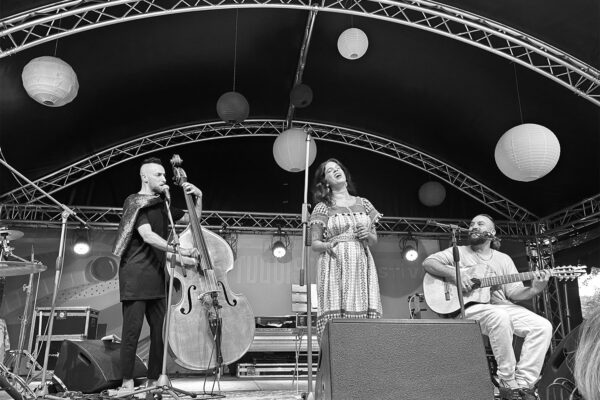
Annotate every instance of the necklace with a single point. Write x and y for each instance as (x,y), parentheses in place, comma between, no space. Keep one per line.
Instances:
(485,259)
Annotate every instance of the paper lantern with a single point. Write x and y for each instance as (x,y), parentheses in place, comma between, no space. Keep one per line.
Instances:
(301,96)
(50,81)
(233,107)
(527,152)
(432,194)
(353,43)
(289,150)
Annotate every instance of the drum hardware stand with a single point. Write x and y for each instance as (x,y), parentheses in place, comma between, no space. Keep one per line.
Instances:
(42,390)
(8,379)
(24,321)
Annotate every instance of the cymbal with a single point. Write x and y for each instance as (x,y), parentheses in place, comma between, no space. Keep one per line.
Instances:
(14,268)
(10,234)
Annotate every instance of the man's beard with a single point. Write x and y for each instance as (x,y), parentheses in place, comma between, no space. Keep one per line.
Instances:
(476,240)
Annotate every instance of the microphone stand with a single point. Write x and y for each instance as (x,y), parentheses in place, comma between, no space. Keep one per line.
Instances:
(456,257)
(163,384)
(42,390)
(305,272)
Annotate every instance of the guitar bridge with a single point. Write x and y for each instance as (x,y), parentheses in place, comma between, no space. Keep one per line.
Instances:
(447,291)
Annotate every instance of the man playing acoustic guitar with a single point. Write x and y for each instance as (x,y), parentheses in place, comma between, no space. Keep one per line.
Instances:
(498,317)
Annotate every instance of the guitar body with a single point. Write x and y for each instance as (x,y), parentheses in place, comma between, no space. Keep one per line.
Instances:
(442,296)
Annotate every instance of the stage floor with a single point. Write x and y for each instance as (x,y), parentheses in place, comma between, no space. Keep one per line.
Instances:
(230,388)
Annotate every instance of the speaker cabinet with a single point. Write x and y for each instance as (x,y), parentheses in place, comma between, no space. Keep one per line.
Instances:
(403,359)
(90,366)
(559,365)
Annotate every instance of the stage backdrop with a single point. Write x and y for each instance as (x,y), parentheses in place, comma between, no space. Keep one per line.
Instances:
(92,280)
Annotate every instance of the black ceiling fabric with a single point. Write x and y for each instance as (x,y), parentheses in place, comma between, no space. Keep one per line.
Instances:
(446,98)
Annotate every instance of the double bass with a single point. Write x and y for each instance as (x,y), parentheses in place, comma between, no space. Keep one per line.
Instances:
(210,325)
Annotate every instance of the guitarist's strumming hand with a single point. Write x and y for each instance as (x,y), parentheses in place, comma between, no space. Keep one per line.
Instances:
(466,277)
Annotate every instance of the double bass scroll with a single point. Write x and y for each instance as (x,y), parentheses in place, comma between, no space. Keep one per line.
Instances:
(210,324)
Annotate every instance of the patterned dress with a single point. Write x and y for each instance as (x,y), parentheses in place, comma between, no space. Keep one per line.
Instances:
(347,284)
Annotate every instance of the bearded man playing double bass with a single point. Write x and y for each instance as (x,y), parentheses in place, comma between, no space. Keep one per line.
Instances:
(142,245)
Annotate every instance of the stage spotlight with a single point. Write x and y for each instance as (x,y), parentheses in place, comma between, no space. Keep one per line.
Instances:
(279,249)
(410,248)
(280,245)
(410,253)
(82,243)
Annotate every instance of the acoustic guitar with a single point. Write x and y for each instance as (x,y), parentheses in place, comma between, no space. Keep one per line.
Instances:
(442,296)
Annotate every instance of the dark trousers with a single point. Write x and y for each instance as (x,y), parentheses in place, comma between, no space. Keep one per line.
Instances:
(133,319)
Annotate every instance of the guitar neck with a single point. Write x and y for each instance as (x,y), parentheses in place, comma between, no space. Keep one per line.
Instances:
(501,280)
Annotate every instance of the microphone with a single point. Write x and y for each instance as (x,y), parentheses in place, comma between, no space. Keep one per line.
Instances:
(167,194)
(486,235)
(449,226)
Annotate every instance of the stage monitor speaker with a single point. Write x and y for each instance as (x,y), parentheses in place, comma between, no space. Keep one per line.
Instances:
(559,365)
(403,359)
(90,366)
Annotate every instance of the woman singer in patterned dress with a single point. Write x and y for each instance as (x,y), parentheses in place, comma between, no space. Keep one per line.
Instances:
(343,229)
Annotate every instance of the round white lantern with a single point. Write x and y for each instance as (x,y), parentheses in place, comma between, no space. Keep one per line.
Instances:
(353,43)
(289,150)
(527,152)
(432,194)
(50,81)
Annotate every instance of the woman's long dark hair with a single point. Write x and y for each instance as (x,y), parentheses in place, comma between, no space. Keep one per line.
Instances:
(320,190)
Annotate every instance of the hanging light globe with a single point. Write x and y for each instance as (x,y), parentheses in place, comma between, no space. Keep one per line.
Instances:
(50,81)
(233,107)
(301,95)
(353,44)
(432,194)
(289,150)
(527,152)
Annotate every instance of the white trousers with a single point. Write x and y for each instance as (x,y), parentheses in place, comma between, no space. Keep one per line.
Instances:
(499,322)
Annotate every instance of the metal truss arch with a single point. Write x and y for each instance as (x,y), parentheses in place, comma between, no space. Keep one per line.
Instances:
(573,218)
(107,218)
(118,154)
(66,18)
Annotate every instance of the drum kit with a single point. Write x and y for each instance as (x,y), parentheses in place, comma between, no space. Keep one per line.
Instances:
(14,268)
(13,265)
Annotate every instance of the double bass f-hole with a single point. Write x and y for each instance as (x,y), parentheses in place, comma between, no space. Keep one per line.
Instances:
(189,300)
(227,297)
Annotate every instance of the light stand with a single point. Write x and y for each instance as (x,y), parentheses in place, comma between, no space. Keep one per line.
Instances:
(305,270)
(42,390)
(163,384)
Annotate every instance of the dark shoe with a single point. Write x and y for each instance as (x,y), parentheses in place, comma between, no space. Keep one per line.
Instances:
(153,396)
(518,394)
(509,394)
(528,394)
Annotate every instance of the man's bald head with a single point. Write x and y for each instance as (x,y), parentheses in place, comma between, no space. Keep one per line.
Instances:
(152,175)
